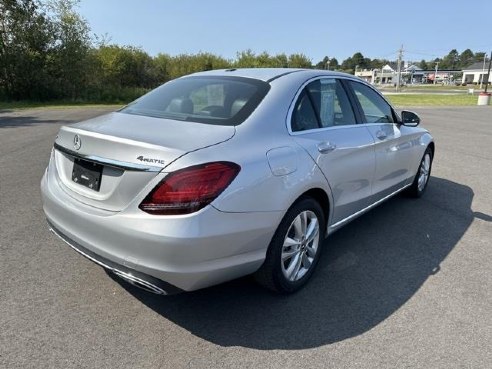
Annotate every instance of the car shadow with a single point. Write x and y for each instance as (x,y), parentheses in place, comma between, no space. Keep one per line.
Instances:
(23,121)
(367,271)
(20,118)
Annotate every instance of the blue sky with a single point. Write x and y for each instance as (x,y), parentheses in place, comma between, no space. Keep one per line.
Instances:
(316,28)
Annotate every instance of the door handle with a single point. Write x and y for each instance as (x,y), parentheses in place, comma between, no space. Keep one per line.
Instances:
(381,135)
(326,147)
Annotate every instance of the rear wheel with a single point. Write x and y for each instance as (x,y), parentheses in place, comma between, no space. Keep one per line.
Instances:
(421,179)
(295,248)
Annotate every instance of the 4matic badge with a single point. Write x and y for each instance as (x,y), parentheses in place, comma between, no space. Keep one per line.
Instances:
(150,160)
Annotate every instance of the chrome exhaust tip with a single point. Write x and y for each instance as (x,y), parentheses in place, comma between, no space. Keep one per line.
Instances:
(138,282)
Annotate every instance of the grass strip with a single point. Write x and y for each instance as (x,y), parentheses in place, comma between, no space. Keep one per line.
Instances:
(432,100)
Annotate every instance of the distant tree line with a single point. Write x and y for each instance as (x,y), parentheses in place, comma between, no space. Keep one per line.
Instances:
(47,53)
(454,60)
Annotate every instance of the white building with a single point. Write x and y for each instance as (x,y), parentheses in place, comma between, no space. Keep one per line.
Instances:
(386,75)
(366,74)
(475,73)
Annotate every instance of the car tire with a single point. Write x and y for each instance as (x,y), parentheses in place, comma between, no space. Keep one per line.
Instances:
(295,248)
(422,177)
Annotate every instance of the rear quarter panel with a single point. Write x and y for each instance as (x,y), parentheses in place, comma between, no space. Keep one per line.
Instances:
(266,182)
(259,187)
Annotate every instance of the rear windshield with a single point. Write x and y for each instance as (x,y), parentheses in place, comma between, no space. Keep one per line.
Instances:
(212,100)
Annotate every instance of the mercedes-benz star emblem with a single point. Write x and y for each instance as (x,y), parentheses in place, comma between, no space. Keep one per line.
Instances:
(77,142)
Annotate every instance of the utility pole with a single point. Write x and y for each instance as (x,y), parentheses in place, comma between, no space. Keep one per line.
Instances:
(483,70)
(487,77)
(400,56)
(484,97)
(435,74)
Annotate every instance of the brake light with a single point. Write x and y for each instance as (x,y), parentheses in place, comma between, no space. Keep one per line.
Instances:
(191,189)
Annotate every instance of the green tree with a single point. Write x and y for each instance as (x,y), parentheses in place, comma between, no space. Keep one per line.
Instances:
(162,68)
(26,37)
(356,61)
(348,65)
(450,61)
(378,63)
(322,64)
(69,62)
(248,59)
(299,61)
(478,57)
(280,61)
(125,66)
(334,65)
(434,63)
(245,59)
(327,63)
(361,61)
(466,58)
(188,63)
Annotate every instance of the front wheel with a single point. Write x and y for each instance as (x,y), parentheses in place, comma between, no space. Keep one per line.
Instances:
(421,179)
(295,248)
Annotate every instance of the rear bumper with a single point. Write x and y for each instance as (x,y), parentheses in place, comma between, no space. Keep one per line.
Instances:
(134,277)
(164,254)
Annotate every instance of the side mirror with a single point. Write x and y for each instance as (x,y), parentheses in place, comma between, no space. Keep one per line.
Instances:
(409,118)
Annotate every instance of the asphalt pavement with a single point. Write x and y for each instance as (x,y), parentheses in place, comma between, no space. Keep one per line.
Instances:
(408,285)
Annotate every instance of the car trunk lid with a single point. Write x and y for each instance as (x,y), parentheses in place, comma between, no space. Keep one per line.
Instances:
(106,161)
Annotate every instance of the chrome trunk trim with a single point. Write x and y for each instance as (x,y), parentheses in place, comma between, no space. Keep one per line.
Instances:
(109,162)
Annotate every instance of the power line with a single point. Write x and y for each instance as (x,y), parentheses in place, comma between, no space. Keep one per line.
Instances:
(387,55)
(420,53)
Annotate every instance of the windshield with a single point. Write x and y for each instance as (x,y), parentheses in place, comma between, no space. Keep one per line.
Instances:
(212,100)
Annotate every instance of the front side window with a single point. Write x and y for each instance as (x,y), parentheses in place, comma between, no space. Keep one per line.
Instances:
(206,99)
(375,109)
(323,103)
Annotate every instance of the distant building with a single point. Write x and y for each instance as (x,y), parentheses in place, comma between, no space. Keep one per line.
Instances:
(410,74)
(386,75)
(475,73)
(366,74)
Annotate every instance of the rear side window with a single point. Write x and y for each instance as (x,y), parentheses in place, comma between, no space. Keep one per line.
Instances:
(323,103)
(212,100)
(304,116)
(375,109)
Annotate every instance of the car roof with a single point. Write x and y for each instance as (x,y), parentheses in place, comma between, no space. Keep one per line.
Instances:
(267,74)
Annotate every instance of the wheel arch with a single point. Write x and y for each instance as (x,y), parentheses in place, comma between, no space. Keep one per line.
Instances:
(323,200)
(432,146)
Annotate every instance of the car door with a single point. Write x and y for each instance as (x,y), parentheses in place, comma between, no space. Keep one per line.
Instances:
(323,122)
(392,146)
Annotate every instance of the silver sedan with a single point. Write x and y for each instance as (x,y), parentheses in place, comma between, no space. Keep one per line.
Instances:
(226,173)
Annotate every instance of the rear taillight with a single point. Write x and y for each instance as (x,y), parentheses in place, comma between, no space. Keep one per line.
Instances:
(188,190)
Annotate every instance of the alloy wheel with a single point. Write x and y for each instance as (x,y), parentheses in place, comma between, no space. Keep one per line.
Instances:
(424,171)
(300,245)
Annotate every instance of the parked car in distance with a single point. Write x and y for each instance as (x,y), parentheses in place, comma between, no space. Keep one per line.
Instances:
(226,173)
